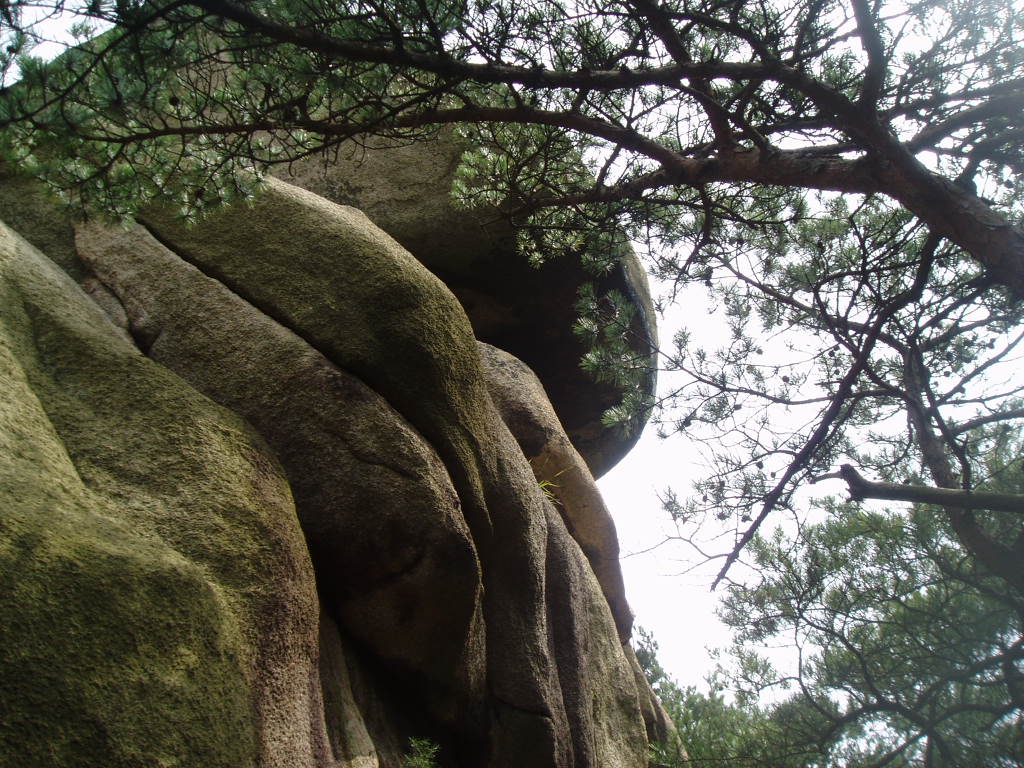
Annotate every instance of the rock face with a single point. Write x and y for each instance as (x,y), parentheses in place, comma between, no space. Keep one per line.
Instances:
(527,310)
(559,468)
(156,594)
(267,510)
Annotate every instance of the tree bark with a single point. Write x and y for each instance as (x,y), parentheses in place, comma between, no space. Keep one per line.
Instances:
(861,488)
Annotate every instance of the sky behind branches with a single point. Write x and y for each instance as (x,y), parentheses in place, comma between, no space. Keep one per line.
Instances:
(668,588)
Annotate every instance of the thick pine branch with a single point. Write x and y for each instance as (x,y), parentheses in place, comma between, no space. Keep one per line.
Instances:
(875,161)
(443,64)
(860,488)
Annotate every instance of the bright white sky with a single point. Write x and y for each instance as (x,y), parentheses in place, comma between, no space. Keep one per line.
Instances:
(673,603)
(678,609)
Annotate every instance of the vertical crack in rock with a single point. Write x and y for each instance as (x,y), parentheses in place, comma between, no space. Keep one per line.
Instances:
(525,408)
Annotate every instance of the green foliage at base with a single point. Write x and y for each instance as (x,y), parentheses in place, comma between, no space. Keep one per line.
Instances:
(422,754)
(905,651)
(715,732)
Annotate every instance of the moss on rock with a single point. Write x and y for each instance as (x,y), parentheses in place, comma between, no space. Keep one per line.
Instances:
(327,274)
(156,600)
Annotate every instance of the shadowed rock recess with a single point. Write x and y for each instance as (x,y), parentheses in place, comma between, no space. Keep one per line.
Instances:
(266,501)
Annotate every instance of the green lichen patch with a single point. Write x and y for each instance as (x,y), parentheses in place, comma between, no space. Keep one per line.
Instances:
(147,545)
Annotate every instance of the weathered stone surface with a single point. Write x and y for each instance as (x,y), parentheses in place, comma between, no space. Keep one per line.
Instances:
(28,209)
(152,539)
(660,728)
(526,310)
(600,695)
(156,596)
(362,730)
(393,555)
(556,464)
(354,295)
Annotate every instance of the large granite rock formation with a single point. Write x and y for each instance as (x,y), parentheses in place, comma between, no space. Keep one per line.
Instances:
(267,510)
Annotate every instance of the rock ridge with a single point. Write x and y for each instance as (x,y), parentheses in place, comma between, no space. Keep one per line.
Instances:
(285,415)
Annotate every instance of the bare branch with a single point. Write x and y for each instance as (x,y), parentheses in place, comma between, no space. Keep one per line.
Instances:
(861,488)
(871,40)
(1007,104)
(991,418)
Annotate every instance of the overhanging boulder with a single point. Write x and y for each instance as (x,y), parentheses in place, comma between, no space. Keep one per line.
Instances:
(532,669)
(526,310)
